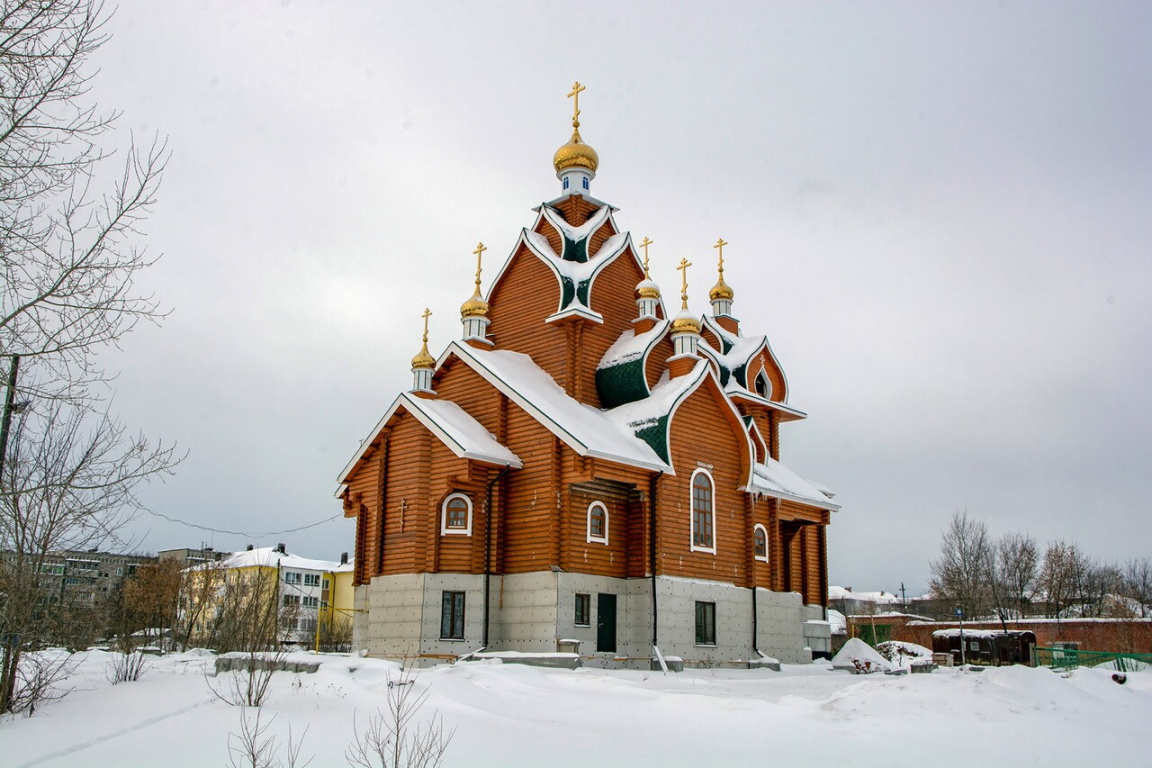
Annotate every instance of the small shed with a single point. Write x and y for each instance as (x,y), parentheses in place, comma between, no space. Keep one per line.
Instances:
(985,647)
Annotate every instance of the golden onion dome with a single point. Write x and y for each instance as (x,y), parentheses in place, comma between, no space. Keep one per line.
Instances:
(721,291)
(576,154)
(647,289)
(423,359)
(474,307)
(685,322)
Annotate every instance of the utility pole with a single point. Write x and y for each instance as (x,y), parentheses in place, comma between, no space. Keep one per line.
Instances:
(903,597)
(9,408)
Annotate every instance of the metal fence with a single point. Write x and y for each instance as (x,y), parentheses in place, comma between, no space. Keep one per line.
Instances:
(1068,658)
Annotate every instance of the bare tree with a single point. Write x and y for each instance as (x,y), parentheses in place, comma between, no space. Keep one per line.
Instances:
(395,739)
(1015,565)
(961,576)
(1137,584)
(66,249)
(1063,578)
(69,483)
(68,252)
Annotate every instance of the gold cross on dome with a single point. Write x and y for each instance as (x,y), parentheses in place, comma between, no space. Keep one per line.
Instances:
(480,248)
(684,264)
(645,245)
(426,315)
(720,247)
(575,96)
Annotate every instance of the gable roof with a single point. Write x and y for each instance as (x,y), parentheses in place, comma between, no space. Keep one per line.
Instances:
(451,424)
(586,430)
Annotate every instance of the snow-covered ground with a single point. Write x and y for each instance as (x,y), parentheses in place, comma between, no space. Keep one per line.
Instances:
(513,715)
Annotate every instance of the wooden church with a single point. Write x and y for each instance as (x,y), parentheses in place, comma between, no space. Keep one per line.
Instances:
(586,470)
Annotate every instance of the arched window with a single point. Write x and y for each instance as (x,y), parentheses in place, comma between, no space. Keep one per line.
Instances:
(597,523)
(703,513)
(763,386)
(456,515)
(760,543)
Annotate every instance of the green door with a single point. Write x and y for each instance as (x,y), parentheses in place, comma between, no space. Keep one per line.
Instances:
(606,623)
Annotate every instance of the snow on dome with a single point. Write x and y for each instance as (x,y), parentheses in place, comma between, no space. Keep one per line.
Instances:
(632,346)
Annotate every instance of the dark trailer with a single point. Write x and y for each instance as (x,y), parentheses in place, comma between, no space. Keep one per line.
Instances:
(985,646)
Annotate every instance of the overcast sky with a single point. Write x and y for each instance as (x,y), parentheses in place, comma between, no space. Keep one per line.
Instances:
(939,214)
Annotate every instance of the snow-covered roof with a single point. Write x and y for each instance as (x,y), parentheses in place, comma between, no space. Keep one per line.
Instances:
(772,478)
(632,346)
(587,430)
(272,557)
(462,434)
(736,354)
(847,593)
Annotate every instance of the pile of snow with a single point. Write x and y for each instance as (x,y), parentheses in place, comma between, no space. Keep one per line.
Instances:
(858,656)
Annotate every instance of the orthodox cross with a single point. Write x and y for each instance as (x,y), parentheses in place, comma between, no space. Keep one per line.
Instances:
(575,96)
(684,264)
(426,315)
(480,248)
(645,245)
(403,509)
(720,247)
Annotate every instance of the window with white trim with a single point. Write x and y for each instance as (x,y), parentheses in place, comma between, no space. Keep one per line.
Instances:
(760,543)
(456,515)
(597,523)
(311,579)
(703,512)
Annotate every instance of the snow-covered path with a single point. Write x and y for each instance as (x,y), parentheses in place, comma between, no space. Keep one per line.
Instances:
(511,715)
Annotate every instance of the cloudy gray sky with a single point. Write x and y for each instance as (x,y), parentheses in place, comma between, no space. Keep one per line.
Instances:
(938,212)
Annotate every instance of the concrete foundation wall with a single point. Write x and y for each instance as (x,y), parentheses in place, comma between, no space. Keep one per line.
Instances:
(531,612)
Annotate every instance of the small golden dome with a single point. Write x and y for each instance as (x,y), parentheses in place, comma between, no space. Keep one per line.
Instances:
(423,359)
(647,289)
(685,323)
(576,154)
(721,291)
(475,306)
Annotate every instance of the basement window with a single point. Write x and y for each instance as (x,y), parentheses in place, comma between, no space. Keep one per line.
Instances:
(583,610)
(705,623)
(452,616)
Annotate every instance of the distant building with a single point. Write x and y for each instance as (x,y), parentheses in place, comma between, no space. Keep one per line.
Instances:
(312,597)
(87,576)
(187,556)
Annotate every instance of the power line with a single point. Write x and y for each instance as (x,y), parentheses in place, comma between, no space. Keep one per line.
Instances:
(241,533)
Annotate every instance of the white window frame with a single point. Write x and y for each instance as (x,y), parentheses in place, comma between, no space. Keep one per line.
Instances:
(444,529)
(762,558)
(592,539)
(693,546)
